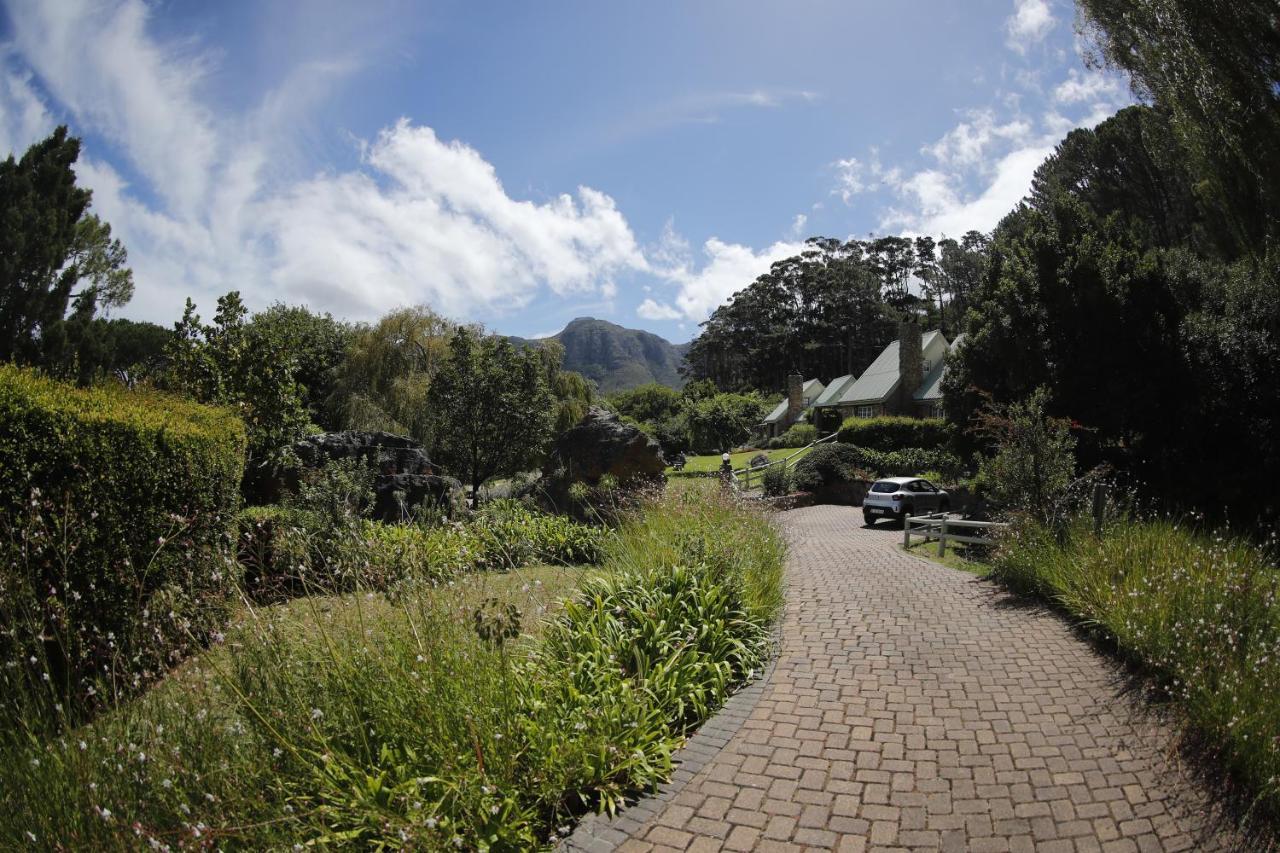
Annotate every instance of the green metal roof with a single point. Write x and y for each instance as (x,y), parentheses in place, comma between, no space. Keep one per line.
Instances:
(777,414)
(932,387)
(879,381)
(832,392)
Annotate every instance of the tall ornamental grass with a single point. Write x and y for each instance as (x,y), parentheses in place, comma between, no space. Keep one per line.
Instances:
(1200,612)
(442,716)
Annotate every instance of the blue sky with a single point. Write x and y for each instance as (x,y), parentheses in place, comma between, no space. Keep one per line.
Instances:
(521,164)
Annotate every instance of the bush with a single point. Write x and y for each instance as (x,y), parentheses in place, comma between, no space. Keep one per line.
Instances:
(120,513)
(889,434)
(776,481)
(828,465)
(910,462)
(800,435)
(1200,613)
(1033,463)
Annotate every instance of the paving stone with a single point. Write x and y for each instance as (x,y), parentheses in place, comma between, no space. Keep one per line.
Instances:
(913,706)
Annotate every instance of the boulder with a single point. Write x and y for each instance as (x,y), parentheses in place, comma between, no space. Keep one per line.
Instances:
(602,444)
(406,478)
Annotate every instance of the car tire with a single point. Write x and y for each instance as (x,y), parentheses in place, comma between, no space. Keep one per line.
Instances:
(868,521)
(902,516)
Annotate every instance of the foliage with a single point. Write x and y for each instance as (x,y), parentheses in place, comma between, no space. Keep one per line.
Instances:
(828,465)
(88,349)
(830,310)
(490,409)
(776,481)
(324,545)
(382,384)
(115,550)
(318,344)
(910,462)
(385,724)
(799,435)
(1214,67)
(244,366)
(653,403)
(1200,613)
(51,245)
(722,421)
(1112,285)
(1033,457)
(895,433)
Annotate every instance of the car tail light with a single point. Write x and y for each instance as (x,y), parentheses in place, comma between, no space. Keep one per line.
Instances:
(896,498)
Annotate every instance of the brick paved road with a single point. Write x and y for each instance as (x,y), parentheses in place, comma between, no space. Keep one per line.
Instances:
(917,707)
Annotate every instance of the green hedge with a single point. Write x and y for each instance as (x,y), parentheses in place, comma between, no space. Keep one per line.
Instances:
(831,464)
(828,465)
(799,435)
(910,462)
(119,518)
(888,434)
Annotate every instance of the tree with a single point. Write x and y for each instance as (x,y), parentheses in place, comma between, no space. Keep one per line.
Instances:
(384,379)
(49,246)
(1214,66)
(490,408)
(652,403)
(723,421)
(246,367)
(318,343)
(1032,458)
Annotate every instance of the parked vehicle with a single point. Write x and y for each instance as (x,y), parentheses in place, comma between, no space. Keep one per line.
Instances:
(899,497)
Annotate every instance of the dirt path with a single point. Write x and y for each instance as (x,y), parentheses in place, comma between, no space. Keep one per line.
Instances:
(917,707)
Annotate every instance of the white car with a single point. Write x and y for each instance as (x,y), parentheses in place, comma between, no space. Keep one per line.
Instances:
(899,497)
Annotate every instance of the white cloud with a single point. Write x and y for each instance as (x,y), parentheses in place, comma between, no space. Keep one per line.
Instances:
(729,267)
(966,144)
(855,177)
(421,219)
(1030,22)
(797,226)
(23,117)
(1091,87)
(651,310)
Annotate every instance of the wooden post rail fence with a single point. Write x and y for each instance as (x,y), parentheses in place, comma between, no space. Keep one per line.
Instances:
(940,527)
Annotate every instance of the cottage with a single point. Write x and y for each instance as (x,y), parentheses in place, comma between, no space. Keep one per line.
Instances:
(905,379)
(801,395)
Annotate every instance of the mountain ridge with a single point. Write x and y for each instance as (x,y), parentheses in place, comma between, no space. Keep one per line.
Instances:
(614,357)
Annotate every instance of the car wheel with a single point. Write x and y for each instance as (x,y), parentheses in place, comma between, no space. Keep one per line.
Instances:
(907,511)
(868,520)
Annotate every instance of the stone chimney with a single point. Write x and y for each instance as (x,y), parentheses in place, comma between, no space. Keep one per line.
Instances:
(795,397)
(910,364)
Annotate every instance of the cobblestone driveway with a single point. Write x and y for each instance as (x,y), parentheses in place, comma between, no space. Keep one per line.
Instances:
(917,707)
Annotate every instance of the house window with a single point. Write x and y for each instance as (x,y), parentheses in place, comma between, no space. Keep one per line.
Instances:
(864,412)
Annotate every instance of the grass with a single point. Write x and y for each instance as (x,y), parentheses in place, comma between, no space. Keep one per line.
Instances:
(703,464)
(1199,612)
(480,713)
(956,557)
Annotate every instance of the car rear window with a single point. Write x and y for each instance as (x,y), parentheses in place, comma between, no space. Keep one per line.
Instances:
(884,487)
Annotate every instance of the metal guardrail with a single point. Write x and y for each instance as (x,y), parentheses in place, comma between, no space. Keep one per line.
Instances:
(744,474)
(939,526)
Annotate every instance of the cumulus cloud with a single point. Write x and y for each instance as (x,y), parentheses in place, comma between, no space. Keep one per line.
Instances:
(1089,87)
(420,218)
(855,177)
(651,310)
(968,143)
(728,268)
(1030,23)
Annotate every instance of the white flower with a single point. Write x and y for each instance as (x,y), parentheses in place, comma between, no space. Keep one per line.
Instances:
(431,823)
(83,746)
(316,713)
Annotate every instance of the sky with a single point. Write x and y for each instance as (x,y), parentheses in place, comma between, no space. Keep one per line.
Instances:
(522,164)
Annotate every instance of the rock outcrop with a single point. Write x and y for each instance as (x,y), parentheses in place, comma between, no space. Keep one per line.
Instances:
(602,444)
(405,481)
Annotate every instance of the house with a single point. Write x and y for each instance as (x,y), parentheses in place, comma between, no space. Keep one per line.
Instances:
(928,398)
(834,390)
(905,379)
(800,396)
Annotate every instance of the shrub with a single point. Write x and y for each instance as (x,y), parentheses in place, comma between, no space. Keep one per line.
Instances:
(1033,463)
(828,465)
(776,481)
(1200,613)
(120,508)
(799,435)
(889,434)
(910,462)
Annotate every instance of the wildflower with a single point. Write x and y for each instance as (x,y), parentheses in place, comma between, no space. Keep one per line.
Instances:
(32,836)
(431,823)
(316,713)
(494,809)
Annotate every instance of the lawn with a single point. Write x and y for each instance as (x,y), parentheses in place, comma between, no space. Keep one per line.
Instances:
(696,464)
(955,558)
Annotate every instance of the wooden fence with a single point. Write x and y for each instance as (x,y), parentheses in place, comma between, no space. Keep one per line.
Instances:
(744,474)
(942,528)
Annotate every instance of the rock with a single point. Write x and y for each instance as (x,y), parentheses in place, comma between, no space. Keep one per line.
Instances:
(759,459)
(396,496)
(602,444)
(405,480)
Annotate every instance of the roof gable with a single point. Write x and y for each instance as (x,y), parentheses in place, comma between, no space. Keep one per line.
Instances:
(831,394)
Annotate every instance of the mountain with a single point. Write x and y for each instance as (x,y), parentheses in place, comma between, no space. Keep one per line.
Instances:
(615,358)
